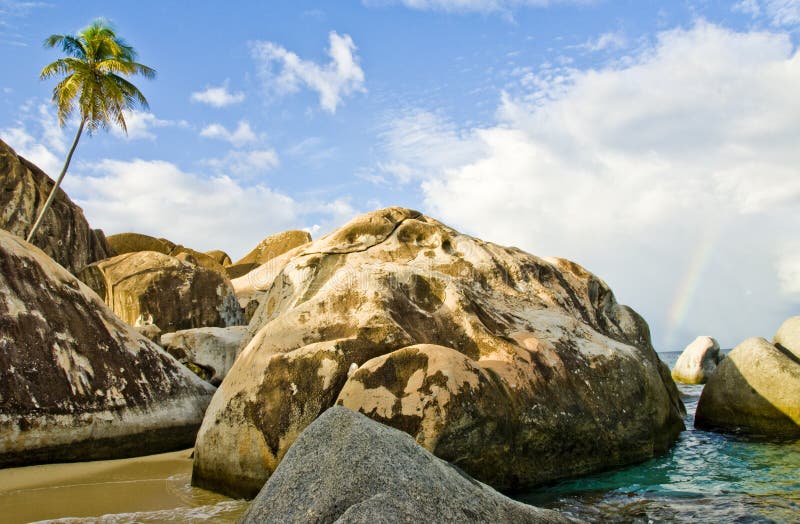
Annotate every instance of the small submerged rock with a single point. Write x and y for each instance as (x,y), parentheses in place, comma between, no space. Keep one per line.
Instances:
(349,469)
(756,388)
(698,361)
(77,383)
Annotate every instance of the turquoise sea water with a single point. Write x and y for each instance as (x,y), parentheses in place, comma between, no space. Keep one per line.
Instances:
(705,477)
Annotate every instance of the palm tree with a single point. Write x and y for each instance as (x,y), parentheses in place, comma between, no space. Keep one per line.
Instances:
(93,82)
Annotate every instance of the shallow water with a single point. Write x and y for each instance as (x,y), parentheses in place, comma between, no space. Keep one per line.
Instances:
(143,489)
(705,477)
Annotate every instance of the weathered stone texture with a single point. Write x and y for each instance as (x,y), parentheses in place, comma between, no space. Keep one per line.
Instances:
(147,287)
(346,468)
(64,234)
(76,383)
(518,369)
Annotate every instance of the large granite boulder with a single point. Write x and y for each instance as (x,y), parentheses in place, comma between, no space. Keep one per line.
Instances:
(147,287)
(134,242)
(755,391)
(787,337)
(123,243)
(267,249)
(536,373)
(347,468)
(698,361)
(64,233)
(210,352)
(76,383)
(220,257)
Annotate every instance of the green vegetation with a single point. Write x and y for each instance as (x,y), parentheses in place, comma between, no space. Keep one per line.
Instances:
(94,82)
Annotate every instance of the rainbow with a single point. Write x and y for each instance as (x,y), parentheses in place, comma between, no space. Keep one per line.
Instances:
(685,292)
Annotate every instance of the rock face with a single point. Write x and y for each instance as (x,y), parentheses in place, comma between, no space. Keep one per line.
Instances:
(123,243)
(755,390)
(211,351)
(64,233)
(698,361)
(150,331)
(220,257)
(347,468)
(147,287)
(268,249)
(517,369)
(788,337)
(76,383)
(134,242)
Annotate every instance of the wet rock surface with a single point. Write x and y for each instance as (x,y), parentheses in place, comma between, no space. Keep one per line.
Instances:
(76,383)
(518,369)
(64,234)
(347,468)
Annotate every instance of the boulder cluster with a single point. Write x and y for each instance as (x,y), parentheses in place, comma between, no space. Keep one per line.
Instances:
(756,388)
(487,362)
(517,369)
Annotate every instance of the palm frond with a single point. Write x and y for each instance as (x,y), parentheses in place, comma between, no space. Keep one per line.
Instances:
(57,68)
(70,44)
(94,80)
(147,72)
(133,97)
(114,66)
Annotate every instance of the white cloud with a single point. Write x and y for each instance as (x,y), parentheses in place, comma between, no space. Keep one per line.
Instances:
(217,96)
(158,198)
(38,137)
(788,267)
(674,176)
(607,41)
(245,164)
(421,142)
(784,13)
(789,274)
(29,147)
(13,15)
(243,134)
(313,151)
(140,125)
(749,7)
(504,7)
(340,77)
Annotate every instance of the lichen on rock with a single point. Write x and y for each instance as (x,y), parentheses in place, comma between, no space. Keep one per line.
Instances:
(76,383)
(167,291)
(520,370)
(64,233)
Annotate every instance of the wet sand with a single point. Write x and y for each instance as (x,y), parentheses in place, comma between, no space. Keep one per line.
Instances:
(142,489)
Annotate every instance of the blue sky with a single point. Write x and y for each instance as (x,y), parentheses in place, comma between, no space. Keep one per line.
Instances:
(656,143)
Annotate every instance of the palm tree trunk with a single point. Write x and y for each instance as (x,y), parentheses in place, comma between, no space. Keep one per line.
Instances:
(53,192)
